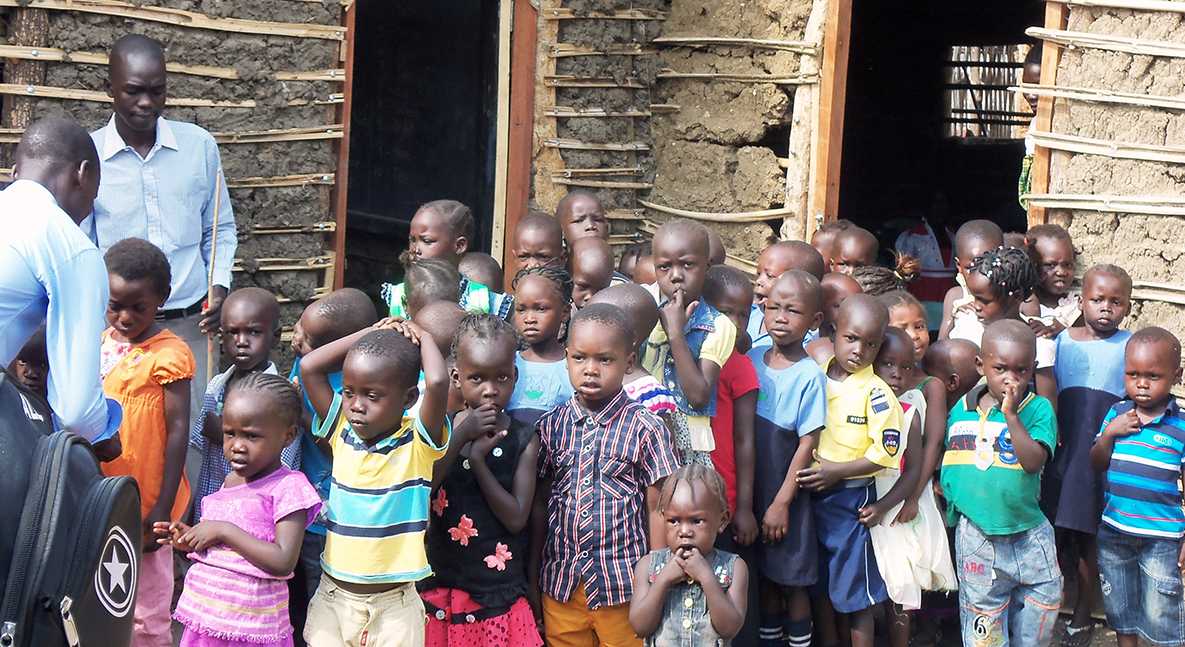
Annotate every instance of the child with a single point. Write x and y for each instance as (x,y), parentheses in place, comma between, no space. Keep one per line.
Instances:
(854,247)
(482,268)
(538,240)
(1053,308)
(629,259)
(599,452)
(147,369)
(429,280)
(250,322)
(440,320)
(249,539)
(690,592)
(693,340)
(999,281)
(378,497)
(443,229)
(542,295)
(30,367)
(862,437)
(875,280)
(933,246)
(772,263)
(998,439)
(973,239)
(641,387)
(1089,374)
(952,363)
(791,409)
(717,254)
(476,544)
(591,263)
(1141,447)
(836,288)
(824,238)
(580,214)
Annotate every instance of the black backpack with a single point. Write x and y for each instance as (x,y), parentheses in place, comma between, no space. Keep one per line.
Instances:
(69,538)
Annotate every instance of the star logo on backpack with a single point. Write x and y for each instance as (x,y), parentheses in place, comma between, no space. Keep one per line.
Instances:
(115,579)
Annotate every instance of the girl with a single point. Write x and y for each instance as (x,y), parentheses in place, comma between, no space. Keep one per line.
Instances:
(875,280)
(999,281)
(249,538)
(542,297)
(443,229)
(690,593)
(476,544)
(147,369)
(1053,307)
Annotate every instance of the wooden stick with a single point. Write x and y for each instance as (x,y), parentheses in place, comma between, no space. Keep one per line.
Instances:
(570,81)
(1108,148)
(1110,203)
(182,18)
(302,179)
(323,227)
(101,58)
(621,170)
(620,14)
(565,112)
(602,184)
(744,216)
(1139,5)
(332,131)
(740,78)
(51,92)
(799,46)
(210,344)
(574,144)
(1102,96)
(566,50)
(1077,39)
(625,214)
(285,264)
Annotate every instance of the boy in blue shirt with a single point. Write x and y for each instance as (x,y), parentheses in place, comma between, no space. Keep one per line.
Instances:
(1141,447)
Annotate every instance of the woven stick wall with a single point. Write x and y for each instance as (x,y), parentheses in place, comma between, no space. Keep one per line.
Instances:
(270,92)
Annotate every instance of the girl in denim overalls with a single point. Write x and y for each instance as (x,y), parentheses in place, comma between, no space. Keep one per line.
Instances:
(690,593)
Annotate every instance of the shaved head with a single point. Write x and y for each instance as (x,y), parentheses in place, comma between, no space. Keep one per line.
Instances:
(683,229)
(637,304)
(865,307)
(538,221)
(799,255)
(1158,335)
(441,320)
(136,45)
(256,300)
(1009,331)
(978,231)
(59,155)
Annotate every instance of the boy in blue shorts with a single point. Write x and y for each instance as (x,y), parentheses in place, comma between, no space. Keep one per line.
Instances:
(999,437)
(862,437)
(1142,450)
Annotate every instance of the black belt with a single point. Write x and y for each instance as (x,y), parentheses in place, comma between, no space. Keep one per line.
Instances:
(180,313)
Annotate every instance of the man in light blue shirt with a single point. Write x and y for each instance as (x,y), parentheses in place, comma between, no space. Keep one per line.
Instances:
(51,272)
(159,180)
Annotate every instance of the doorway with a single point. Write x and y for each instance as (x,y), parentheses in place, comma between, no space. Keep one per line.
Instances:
(422,125)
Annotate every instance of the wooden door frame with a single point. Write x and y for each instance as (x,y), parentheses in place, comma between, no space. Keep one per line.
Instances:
(521,127)
(1056,15)
(341,182)
(827,142)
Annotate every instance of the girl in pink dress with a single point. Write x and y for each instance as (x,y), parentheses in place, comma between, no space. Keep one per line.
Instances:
(249,538)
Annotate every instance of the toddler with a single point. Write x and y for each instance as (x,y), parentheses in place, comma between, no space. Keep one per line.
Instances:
(772,263)
(998,439)
(973,239)
(690,592)
(30,367)
(580,214)
(538,240)
(249,538)
(147,369)
(1141,449)
(1053,307)
(541,308)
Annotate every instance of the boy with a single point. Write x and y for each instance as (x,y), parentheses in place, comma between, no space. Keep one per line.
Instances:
(378,497)
(1141,447)
(836,288)
(998,439)
(823,239)
(250,322)
(862,437)
(973,238)
(580,214)
(480,267)
(538,240)
(773,262)
(591,262)
(854,247)
(30,367)
(599,453)
(693,340)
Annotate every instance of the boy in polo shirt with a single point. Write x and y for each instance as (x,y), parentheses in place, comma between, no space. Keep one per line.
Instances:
(862,437)
(1142,450)
(382,467)
(999,437)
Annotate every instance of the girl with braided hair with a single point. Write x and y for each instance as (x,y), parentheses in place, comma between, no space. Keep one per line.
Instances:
(876,280)
(542,305)
(999,281)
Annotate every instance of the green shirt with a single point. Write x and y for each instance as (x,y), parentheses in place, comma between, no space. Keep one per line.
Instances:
(982,477)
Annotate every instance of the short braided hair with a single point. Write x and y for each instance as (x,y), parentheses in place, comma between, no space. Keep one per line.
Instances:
(876,280)
(689,474)
(284,397)
(458,215)
(554,272)
(484,328)
(1009,270)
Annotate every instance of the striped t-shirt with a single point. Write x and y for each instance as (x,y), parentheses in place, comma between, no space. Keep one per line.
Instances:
(378,501)
(1141,493)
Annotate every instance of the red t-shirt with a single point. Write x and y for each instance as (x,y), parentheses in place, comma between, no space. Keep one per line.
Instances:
(737,377)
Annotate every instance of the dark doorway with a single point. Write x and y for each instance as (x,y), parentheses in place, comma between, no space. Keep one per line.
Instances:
(897,152)
(422,126)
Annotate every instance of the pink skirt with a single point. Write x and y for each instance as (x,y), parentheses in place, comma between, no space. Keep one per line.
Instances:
(193,639)
(515,628)
(227,606)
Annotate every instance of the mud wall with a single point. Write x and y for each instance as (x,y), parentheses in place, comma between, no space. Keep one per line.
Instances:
(687,106)
(277,136)
(1150,246)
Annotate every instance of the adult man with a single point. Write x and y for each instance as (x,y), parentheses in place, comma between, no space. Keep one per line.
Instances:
(50,271)
(159,179)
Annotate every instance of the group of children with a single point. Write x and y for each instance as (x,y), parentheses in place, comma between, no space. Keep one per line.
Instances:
(612,454)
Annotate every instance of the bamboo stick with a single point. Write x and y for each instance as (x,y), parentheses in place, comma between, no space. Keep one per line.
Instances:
(602,184)
(744,216)
(1098,95)
(332,131)
(620,14)
(323,227)
(1137,5)
(281,180)
(565,112)
(621,170)
(801,47)
(1078,39)
(570,81)
(1109,203)
(740,78)
(211,346)
(101,58)
(285,264)
(567,50)
(574,144)
(1107,148)
(52,92)
(182,18)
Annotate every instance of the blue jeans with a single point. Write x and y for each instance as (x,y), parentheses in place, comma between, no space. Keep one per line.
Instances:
(1142,586)
(1010,586)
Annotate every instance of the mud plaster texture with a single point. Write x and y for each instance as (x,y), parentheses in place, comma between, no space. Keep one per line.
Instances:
(1151,248)
(256,58)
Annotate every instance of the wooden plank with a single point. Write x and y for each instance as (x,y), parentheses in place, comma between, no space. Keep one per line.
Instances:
(715,216)
(181,18)
(324,227)
(602,184)
(1109,148)
(1135,5)
(571,81)
(341,188)
(620,170)
(302,179)
(797,46)
(54,54)
(523,41)
(573,144)
(52,92)
(546,158)
(738,78)
(566,112)
(28,27)
(1111,203)
(568,50)
(620,14)
(1097,95)
(332,131)
(1127,45)
(1056,15)
(501,131)
(832,95)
